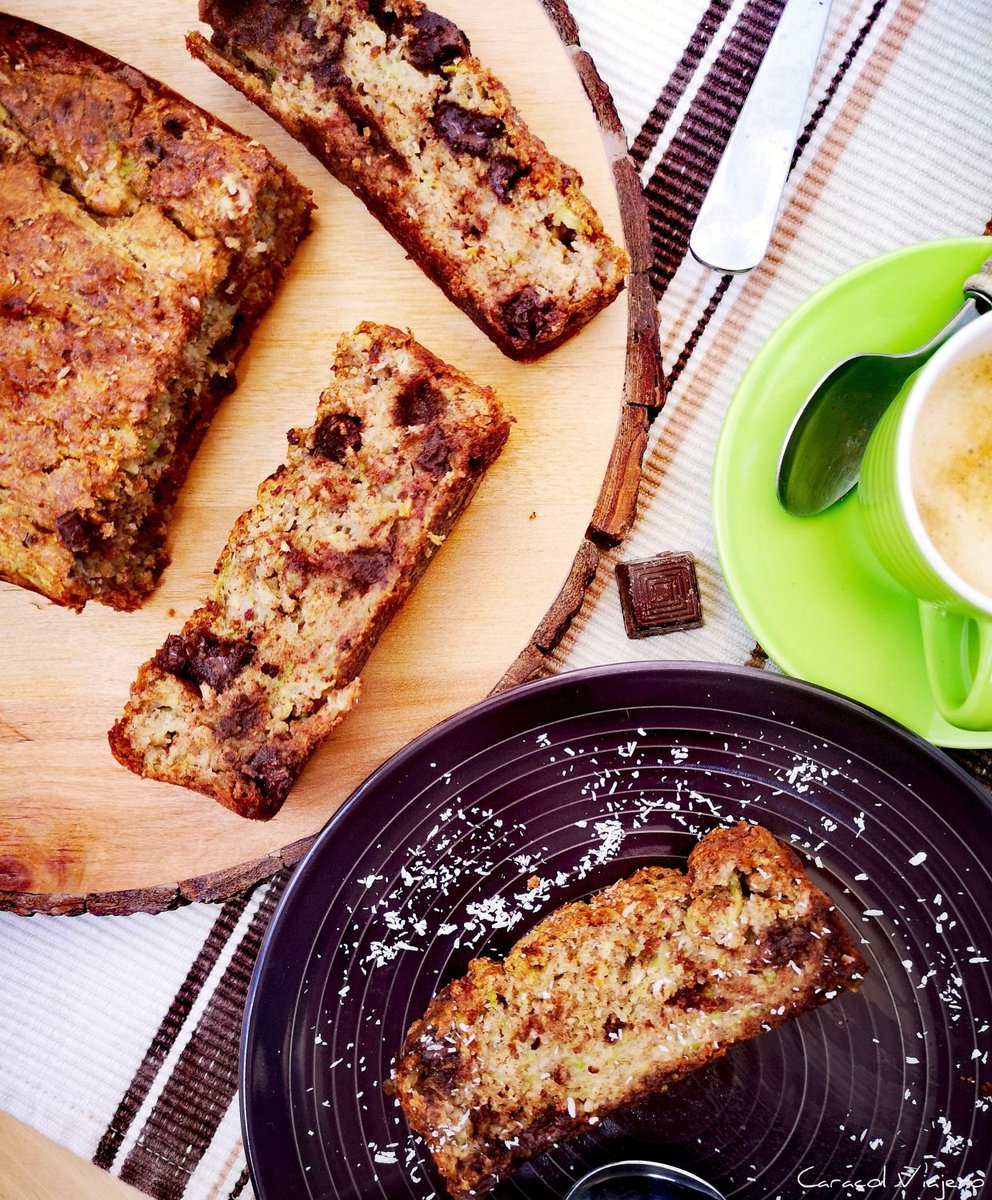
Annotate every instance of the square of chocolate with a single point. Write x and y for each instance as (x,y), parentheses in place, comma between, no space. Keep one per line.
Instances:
(659,594)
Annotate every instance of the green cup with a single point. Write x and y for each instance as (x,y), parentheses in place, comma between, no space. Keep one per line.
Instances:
(955,614)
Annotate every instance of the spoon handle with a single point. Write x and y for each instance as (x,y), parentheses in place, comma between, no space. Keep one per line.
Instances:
(975,305)
(979,286)
(735,222)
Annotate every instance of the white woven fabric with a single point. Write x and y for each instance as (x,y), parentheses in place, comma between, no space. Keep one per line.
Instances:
(99,1011)
(81,1000)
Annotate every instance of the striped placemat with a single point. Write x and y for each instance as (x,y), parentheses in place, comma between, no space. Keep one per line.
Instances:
(119,1035)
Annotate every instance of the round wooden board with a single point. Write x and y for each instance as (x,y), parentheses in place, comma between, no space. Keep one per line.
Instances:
(77,830)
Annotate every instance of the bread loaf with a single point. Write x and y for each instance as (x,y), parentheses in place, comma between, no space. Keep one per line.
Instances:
(235,703)
(606,1001)
(387,94)
(140,242)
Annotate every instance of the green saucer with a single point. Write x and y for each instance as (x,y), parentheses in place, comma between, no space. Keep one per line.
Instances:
(809,588)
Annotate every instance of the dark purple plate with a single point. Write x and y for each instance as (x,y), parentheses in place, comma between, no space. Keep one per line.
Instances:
(577,780)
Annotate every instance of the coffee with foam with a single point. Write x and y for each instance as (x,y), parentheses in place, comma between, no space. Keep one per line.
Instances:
(951,469)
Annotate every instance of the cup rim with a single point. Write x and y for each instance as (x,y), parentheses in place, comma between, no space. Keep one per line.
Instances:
(957,347)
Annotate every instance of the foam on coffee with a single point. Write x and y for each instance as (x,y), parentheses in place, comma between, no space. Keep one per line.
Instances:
(951,469)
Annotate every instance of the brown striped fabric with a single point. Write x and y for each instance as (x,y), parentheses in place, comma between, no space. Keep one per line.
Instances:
(709,23)
(168,1031)
(679,182)
(203,1081)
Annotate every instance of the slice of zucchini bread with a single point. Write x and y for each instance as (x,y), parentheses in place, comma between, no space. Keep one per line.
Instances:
(140,242)
(235,704)
(606,1001)
(387,94)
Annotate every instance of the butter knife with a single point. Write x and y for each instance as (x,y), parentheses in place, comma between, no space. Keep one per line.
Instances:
(736,219)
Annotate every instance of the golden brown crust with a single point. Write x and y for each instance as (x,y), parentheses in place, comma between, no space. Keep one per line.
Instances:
(236,703)
(388,96)
(140,240)
(605,1002)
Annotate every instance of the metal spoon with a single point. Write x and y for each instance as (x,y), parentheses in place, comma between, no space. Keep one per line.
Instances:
(822,452)
(641,1180)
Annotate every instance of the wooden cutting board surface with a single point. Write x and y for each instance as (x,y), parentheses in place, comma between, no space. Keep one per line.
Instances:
(72,822)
